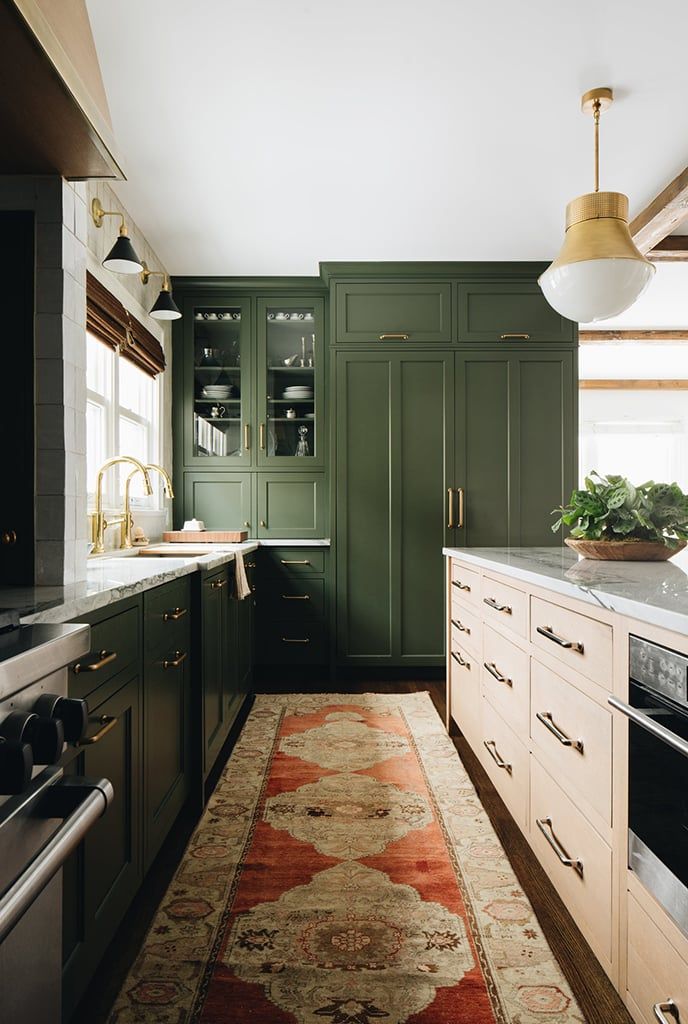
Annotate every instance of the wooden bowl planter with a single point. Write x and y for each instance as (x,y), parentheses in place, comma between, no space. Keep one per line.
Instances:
(624,550)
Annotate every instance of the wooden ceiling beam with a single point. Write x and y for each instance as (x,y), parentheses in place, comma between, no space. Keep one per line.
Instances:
(672,249)
(658,334)
(662,215)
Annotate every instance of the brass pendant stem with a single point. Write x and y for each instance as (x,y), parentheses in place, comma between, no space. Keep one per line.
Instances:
(596,116)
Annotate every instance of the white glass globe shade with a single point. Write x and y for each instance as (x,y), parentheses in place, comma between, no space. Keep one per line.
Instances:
(590,290)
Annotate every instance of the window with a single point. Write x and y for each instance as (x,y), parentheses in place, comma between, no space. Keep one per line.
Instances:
(122,416)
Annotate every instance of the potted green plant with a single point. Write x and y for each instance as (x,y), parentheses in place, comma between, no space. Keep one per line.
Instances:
(614,520)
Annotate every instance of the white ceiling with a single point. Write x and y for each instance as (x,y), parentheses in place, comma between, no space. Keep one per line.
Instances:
(261,137)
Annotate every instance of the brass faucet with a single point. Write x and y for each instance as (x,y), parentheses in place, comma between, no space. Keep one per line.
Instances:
(99,523)
(127,518)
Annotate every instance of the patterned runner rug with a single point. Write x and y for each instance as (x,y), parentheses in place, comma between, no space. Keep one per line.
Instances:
(345,872)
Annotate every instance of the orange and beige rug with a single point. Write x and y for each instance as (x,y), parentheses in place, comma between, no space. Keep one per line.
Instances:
(345,872)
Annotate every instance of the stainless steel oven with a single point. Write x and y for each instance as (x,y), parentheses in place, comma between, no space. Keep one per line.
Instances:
(658,774)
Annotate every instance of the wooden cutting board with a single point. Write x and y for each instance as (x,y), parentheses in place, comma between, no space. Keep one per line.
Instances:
(205,536)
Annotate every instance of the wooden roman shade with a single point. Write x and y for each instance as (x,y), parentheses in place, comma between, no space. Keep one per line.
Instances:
(107,318)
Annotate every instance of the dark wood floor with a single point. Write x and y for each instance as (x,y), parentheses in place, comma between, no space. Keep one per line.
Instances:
(597,998)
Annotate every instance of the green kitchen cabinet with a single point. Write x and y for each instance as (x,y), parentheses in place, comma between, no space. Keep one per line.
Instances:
(293,609)
(223,501)
(515,444)
(214,613)
(511,312)
(245,646)
(395,463)
(291,505)
(412,311)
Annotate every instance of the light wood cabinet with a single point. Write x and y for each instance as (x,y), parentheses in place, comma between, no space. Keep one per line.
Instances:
(505,759)
(506,679)
(657,972)
(505,605)
(578,641)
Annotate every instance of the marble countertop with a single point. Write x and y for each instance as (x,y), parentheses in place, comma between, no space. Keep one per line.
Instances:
(124,574)
(652,592)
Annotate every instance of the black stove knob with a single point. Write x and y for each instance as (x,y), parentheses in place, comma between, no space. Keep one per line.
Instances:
(72,713)
(44,735)
(16,766)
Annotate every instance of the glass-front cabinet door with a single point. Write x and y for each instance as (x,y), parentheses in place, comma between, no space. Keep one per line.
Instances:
(290,382)
(218,411)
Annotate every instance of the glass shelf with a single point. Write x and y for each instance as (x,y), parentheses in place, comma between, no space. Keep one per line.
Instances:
(218,347)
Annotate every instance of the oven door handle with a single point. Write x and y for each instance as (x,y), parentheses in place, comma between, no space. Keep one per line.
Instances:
(16,900)
(660,732)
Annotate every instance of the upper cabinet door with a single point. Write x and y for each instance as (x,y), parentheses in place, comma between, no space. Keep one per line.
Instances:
(509,312)
(217,398)
(393,312)
(290,381)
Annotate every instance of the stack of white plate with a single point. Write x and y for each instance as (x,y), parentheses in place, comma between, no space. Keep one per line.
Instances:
(298,392)
(217,391)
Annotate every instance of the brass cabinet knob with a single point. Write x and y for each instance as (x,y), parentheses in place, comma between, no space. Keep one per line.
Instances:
(246,522)
(8,537)
(263,523)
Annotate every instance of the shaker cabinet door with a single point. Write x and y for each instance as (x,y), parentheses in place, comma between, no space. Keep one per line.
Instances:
(509,312)
(223,501)
(390,312)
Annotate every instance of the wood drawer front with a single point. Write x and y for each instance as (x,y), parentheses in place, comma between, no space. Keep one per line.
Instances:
(588,896)
(466,629)
(464,693)
(167,614)
(465,585)
(656,971)
(295,597)
(509,694)
(294,641)
(118,635)
(298,561)
(503,745)
(585,766)
(588,642)
(412,311)
(505,605)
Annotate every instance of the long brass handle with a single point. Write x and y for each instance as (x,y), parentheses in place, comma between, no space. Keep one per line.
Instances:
(460,626)
(491,603)
(549,634)
(668,1006)
(545,826)
(107,722)
(520,337)
(103,658)
(294,561)
(461,586)
(247,436)
(491,748)
(291,640)
(546,718)
(461,661)
(262,437)
(174,614)
(450,508)
(394,337)
(218,584)
(179,657)
(496,674)
(462,503)
(296,597)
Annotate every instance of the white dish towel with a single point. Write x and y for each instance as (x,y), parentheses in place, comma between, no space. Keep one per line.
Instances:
(242,588)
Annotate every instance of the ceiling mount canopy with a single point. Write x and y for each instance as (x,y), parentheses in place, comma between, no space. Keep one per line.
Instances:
(122,258)
(599,272)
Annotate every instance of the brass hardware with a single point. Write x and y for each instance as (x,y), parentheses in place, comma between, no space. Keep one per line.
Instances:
(549,634)
(218,584)
(460,586)
(546,718)
(147,273)
(668,1006)
(462,502)
(294,561)
(290,640)
(296,597)
(172,616)
(491,603)
(263,524)
(250,565)
(496,674)
(246,522)
(107,722)
(461,661)
(450,508)
(103,658)
(545,826)
(262,437)
(247,441)
(513,337)
(9,537)
(99,524)
(491,748)
(127,517)
(460,626)
(394,337)
(179,657)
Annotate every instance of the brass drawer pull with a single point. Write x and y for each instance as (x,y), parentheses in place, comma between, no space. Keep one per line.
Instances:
(668,1006)
(450,508)
(294,561)
(549,634)
(102,658)
(462,502)
(179,657)
(545,826)
(8,537)
(461,661)
(496,674)
(247,437)
(218,584)
(250,565)
(461,586)
(546,718)
(460,626)
(491,748)
(514,337)
(107,722)
(296,597)
(491,603)
(174,614)
(291,640)
(394,337)
(262,437)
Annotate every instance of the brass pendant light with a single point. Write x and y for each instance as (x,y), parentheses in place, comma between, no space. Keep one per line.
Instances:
(599,272)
